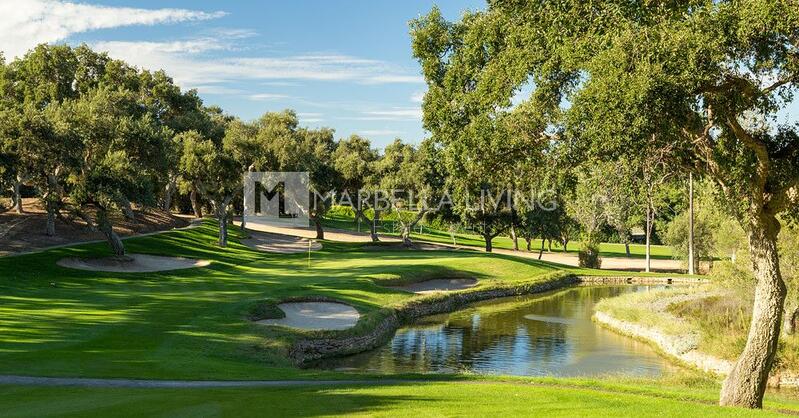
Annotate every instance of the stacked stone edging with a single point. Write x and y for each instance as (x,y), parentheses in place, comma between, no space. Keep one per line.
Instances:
(305,351)
(640,280)
(309,350)
(684,348)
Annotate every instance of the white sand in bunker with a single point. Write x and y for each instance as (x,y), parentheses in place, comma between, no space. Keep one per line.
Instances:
(133,263)
(284,244)
(437,285)
(315,316)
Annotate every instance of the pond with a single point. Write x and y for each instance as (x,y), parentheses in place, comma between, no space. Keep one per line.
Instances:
(541,335)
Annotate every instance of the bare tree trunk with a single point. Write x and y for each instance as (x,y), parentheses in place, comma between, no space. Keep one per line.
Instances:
(627,248)
(373,227)
(17,196)
(691,260)
(541,251)
(565,243)
(222,229)
(529,241)
(407,228)
(489,245)
(648,238)
(50,219)
(549,245)
(166,204)
(108,230)
(222,218)
(127,209)
(746,383)
(320,233)
(513,237)
(195,202)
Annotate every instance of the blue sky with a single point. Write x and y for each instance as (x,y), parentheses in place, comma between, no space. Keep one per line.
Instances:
(342,64)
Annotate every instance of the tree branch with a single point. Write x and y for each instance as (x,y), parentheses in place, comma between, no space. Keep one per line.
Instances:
(757,146)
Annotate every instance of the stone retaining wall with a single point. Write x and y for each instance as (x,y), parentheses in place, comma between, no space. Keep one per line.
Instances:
(684,348)
(309,350)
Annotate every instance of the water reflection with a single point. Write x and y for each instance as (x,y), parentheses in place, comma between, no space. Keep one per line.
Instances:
(547,335)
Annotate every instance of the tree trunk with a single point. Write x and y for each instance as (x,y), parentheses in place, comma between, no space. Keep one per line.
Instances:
(320,233)
(565,243)
(50,219)
(790,318)
(648,238)
(166,204)
(108,230)
(222,218)
(513,237)
(627,248)
(549,245)
(127,209)
(195,203)
(529,243)
(489,245)
(691,256)
(373,227)
(746,383)
(541,251)
(406,229)
(17,196)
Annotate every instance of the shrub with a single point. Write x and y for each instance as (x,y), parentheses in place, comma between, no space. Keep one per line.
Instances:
(589,256)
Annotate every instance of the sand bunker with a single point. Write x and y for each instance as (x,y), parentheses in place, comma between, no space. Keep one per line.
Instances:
(316,316)
(283,244)
(438,285)
(138,263)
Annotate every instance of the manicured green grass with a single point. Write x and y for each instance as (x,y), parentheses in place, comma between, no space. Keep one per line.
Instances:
(342,219)
(191,324)
(556,398)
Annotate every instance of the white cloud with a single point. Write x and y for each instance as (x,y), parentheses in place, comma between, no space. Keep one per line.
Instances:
(310,117)
(266,96)
(417,97)
(396,113)
(26,23)
(184,61)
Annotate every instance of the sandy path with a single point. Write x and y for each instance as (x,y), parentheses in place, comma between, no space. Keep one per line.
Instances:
(283,244)
(569,259)
(315,316)
(139,263)
(339,235)
(437,285)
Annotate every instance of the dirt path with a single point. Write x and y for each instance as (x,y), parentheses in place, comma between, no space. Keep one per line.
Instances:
(283,244)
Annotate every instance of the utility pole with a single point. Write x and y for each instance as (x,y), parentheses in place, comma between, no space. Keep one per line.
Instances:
(691,268)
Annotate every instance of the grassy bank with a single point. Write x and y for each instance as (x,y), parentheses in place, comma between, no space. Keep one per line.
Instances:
(342,218)
(718,318)
(191,324)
